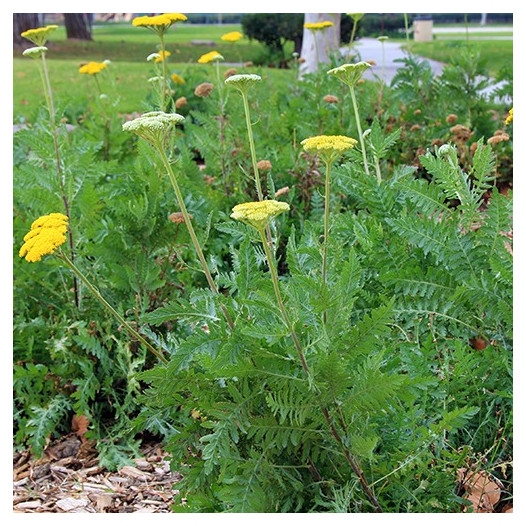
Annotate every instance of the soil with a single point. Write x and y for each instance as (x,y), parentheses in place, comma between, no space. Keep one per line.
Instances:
(68,479)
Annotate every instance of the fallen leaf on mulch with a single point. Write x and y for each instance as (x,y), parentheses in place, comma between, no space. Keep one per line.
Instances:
(79,426)
(481,488)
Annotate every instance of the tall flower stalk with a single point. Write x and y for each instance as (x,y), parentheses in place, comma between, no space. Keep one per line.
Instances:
(160,24)
(243,83)
(356,17)
(258,215)
(329,148)
(45,237)
(39,36)
(155,128)
(350,74)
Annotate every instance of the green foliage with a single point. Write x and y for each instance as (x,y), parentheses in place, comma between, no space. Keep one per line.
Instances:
(420,268)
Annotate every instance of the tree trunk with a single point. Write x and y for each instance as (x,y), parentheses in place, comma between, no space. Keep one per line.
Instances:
(483,18)
(327,40)
(23,22)
(78,25)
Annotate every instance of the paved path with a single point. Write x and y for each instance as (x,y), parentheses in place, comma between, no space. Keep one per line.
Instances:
(371,49)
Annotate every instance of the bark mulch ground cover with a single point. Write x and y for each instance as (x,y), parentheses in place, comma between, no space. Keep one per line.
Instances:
(68,479)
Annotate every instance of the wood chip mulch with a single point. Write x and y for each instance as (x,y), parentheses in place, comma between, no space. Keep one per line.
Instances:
(68,479)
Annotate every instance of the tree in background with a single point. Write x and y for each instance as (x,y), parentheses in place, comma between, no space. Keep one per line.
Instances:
(78,25)
(23,22)
(326,41)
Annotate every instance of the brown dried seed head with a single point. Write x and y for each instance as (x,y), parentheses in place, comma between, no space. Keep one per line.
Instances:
(461,132)
(417,112)
(415,127)
(360,81)
(209,179)
(178,217)
(473,148)
(301,60)
(451,118)
(437,142)
(372,62)
(499,132)
(204,89)
(264,165)
(331,99)
(230,72)
(180,102)
(249,64)
(498,138)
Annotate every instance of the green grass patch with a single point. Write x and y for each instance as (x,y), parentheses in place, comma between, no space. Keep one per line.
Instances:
(496,53)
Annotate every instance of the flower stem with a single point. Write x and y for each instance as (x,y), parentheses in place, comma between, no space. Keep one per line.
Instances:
(359,126)
(101,299)
(252,147)
(191,231)
(48,93)
(326,232)
(377,167)
(281,305)
(163,56)
(326,415)
(355,23)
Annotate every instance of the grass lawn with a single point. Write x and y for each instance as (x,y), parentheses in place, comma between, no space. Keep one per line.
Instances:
(497,53)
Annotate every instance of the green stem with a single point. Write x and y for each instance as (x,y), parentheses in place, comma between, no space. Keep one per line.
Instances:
(101,299)
(48,93)
(191,231)
(359,126)
(163,94)
(378,172)
(326,233)
(355,23)
(281,305)
(352,462)
(252,146)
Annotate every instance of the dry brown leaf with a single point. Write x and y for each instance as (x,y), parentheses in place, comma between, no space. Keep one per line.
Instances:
(79,425)
(481,488)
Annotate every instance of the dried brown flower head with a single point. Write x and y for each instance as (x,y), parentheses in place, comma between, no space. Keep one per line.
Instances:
(331,99)
(264,165)
(301,60)
(178,217)
(473,148)
(180,102)
(372,62)
(499,138)
(230,72)
(360,81)
(249,64)
(461,132)
(204,89)
(437,142)
(415,127)
(451,118)
(417,112)
(209,179)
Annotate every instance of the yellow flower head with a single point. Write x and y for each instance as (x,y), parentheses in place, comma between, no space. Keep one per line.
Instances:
(259,214)
(318,26)
(209,57)
(162,55)
(177,79)
(233,36)
(509,118)
(328,147)
(40,35)
(92,68)
(349,74)
(158,23)
(46,235)
(356,16)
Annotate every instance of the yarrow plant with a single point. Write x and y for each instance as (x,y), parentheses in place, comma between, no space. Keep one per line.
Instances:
(350,74)
(329,148)
(46,236)
(92,68)
(316,27)
(233,36)
(155,127)
(160,24)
